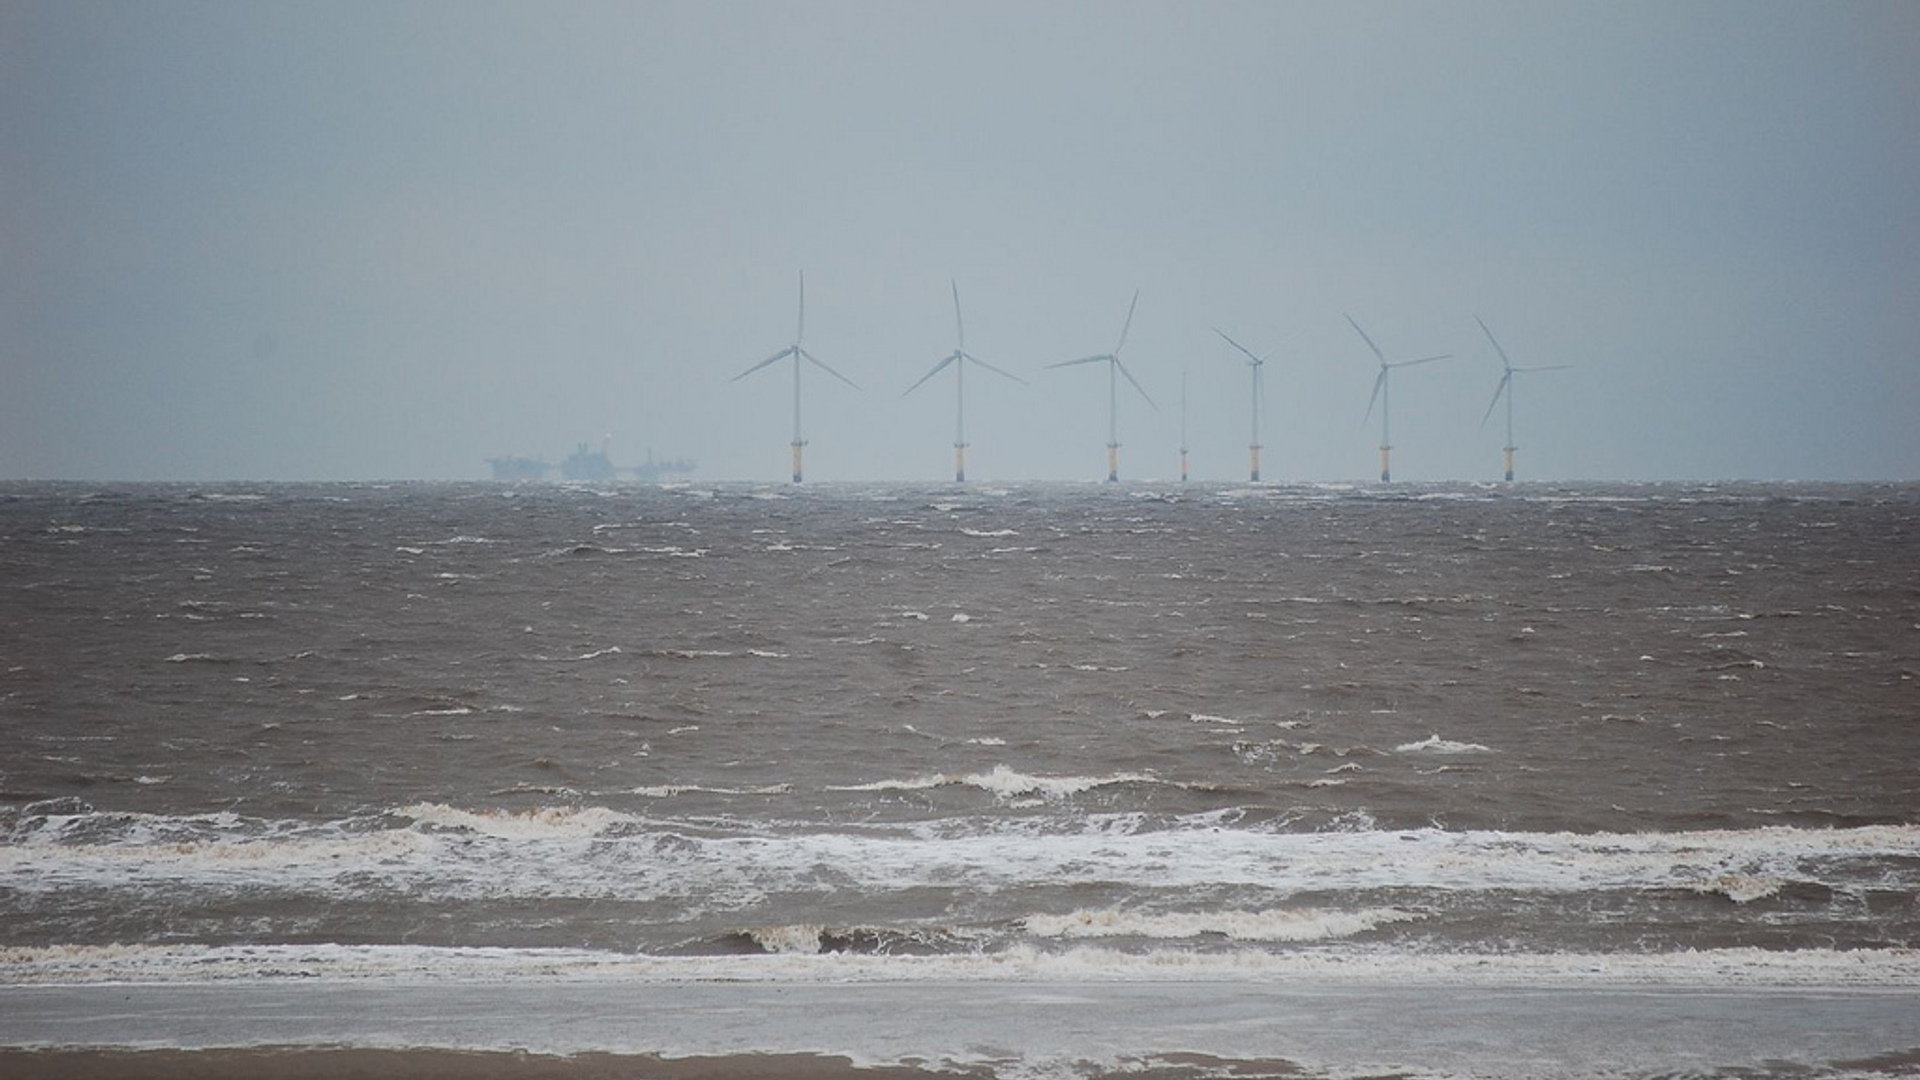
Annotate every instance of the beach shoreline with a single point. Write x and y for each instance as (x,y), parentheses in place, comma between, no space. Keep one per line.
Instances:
(681,1031)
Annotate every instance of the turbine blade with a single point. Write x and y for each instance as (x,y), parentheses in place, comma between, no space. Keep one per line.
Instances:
(781,355)
(959,327)
(1083,360)
(1379,381)
(1422,360)
(1363,337)
(1134,381)
(990,367)
(802,331)
(1256,360)
(1128,325)
(821,364)
(1496,344)
(937,369)
(1497,391)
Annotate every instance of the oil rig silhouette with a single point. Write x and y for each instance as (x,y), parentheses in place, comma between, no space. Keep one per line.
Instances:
(590,464)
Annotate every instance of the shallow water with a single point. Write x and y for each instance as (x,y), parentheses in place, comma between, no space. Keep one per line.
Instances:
(1113,728)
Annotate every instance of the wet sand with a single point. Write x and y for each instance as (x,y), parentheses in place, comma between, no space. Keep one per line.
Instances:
(1173,1031)
(341,1063)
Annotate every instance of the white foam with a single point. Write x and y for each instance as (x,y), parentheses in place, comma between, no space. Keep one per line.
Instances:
(1005,783)
(796,939)
(542,823)
(1336,965)
(1437,745)
(1742,888)
(989,533)
(431,851)
(668,791)
(1279,924)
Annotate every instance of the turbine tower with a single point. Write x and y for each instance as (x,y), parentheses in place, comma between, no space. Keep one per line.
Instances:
(1112,360)
(1506,387)
(1383,396)
(1183,425)
(960,358)
(1258,364)
(794,350)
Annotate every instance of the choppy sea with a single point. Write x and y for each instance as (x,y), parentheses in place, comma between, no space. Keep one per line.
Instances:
(1473,738)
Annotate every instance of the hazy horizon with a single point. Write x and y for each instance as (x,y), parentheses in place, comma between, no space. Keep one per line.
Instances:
(391,241)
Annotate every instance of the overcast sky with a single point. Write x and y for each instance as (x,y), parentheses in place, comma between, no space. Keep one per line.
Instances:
(392,240)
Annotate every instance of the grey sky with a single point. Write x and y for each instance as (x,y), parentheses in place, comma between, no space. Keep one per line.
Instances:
(390,240)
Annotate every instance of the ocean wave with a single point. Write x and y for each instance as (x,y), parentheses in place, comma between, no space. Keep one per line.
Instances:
(1712,968)
(1279,924)
(1003,782)
(433,851)
(814,938)
(541,823)
(1436,745)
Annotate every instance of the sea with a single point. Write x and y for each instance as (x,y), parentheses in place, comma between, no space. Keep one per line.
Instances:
(1020,780)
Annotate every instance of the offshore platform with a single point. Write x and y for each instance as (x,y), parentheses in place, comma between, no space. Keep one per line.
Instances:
(590,464)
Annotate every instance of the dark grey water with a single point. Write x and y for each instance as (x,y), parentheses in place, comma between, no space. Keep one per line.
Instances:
(1228,730)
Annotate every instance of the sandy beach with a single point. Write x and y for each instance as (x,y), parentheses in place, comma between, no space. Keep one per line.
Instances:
(579,1029)
(342,1063)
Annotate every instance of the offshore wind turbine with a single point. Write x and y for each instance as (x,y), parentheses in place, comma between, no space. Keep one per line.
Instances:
(1112,360)
(1382,395)
(794,350)
(1506,387)
(959,358)
(1258,364)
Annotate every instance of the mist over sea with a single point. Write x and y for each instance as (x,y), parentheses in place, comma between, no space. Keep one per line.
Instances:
(842,735)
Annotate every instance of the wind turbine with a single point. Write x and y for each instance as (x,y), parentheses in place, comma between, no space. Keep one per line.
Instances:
(1112,360)
(794,350)
(1382,395)
(1506,387)
(960,358)
(1258,364)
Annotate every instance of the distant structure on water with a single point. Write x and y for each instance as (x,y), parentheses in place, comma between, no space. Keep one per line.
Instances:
(588,464)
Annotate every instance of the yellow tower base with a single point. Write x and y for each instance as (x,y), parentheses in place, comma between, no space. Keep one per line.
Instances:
(1510,464)
(959,463)
(1113,463)
(1253,463)
(796,461)
(1386,468)
(1183,466)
